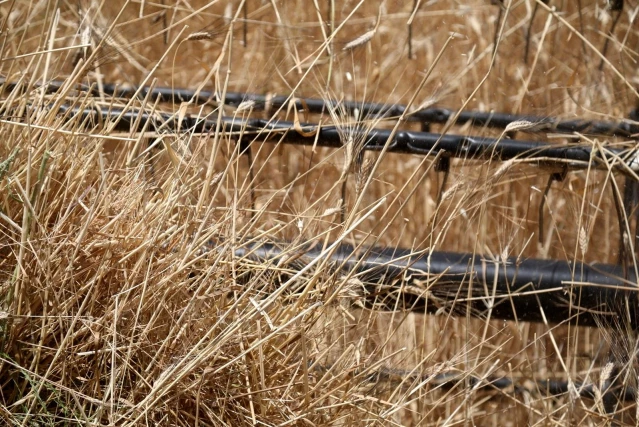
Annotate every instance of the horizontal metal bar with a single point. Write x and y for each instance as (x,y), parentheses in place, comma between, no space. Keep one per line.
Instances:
(402,141)
(452,379)
(498,120)
(372,109)
(528,290)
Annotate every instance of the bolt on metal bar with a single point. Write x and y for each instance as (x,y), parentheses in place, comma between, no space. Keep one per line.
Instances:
(529,290)
(403,141)
(625,128)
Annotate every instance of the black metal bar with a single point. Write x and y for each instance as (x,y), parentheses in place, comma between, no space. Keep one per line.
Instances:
(367,109)
(555,388)
(440,282)
(371,109)
(403,141)
(449,380)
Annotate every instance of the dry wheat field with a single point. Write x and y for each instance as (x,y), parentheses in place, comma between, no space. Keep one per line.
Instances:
(134,290)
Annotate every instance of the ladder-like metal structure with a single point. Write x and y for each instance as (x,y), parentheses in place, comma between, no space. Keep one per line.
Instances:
(531,290)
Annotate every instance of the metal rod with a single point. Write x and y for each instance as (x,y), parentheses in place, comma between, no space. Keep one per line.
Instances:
(367,109)
(402,141)
(450,380)
(439,282)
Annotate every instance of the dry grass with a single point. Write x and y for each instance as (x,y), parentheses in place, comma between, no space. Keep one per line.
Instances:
(123,301)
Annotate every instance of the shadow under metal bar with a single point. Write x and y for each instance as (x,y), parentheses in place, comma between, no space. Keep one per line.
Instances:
(365,109)
(457,283)
(403,141)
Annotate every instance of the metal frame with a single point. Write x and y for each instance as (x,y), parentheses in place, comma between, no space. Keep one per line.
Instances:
(433,282)
(573,156)
(623,128)
(525,290)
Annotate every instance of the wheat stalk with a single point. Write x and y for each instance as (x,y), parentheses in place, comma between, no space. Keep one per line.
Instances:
(367,36)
